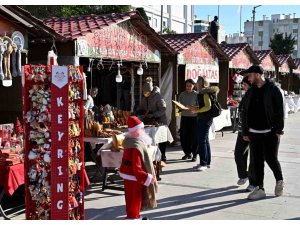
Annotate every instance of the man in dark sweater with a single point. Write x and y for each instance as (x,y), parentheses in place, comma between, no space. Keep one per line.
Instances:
(262,125)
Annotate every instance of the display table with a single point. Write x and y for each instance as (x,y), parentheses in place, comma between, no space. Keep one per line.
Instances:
(11,178)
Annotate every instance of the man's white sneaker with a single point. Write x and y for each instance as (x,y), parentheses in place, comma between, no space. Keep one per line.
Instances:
(250,188)
(201,168)
(242,181)
(257,194)
(279,188)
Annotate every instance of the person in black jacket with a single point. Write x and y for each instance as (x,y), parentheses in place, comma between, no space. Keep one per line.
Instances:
(262,125)
(242,148)
(214,28)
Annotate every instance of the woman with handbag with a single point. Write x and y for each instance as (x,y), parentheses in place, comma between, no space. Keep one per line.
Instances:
(204,121)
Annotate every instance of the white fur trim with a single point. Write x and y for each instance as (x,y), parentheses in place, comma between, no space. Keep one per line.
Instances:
(127,176)
(148,181)
(139,126)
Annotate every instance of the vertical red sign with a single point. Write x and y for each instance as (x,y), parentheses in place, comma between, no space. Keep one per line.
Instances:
(59,143)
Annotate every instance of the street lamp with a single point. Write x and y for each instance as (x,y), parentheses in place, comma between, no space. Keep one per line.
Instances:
(253,12)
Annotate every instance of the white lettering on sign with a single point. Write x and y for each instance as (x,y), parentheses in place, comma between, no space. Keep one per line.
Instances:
(60,187)
(60,134)
(59,101)
(210,72)
(60,173)
(59,204)
(59,153)
(59,119)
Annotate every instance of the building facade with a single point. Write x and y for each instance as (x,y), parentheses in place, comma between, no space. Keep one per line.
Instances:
(235,38)
(178,18)
(265,29)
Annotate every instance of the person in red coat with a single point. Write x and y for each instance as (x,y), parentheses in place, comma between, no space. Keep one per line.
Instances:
(137,170)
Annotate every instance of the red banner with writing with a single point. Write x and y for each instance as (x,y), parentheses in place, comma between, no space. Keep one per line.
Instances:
(268,64)
(241,61)
(59,143)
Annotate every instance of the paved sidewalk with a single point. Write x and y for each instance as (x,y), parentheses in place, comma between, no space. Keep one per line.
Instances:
(212,194)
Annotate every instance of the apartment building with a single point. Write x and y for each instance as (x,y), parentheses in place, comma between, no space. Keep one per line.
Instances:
(178,18)
(265,29)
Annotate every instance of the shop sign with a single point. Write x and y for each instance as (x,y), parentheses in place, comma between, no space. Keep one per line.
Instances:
(59,143)
(209,71)
(197,53)
(284,68)
(120,41)
(268,64)
(241,61)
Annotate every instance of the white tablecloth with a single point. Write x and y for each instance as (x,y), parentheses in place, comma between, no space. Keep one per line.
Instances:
(219,122)
(159,134)
(292,104)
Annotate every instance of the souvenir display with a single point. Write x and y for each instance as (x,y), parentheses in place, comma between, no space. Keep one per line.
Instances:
(46,107)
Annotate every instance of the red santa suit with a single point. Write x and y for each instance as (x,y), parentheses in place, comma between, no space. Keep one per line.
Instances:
(133,172)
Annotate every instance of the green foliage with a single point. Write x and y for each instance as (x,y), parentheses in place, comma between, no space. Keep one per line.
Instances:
(45,11)
(167,30)
(282,45)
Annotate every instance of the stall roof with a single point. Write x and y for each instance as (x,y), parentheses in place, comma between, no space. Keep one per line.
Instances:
(283,58)
(262,54)
(180,41)
(232,50)
(77,26)
(297,62)
(36,29)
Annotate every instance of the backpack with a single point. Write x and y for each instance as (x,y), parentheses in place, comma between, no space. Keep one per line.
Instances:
(216,108)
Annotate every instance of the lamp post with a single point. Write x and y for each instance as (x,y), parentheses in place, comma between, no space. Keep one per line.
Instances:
(253,12)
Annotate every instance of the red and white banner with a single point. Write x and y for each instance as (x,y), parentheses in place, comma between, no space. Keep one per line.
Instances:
(59,143)
(209,71)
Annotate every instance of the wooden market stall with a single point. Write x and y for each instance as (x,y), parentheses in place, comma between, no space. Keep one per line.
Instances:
(269,63)
(199,55)
(295,84)
(285,71)
(17,28)
(241,57)
(102,42)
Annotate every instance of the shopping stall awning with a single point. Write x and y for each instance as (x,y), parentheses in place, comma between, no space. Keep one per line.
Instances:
(115,35)
(297,64)
(182,42)
(285,63)
(241,55)
(200,54)
(267,59)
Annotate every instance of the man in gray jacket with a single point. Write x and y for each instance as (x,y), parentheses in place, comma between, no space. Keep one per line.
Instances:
(154,107)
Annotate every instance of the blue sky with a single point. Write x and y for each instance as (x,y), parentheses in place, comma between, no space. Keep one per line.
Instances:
(229,17)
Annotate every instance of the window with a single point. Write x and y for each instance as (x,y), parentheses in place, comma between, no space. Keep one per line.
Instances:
(295,53)
(164,23)
(273,30)
(295,31)
(260,43)
(154,22)
(277,20)
(260,33)
(149,18)
(295,20)
(277,30)
(273,20)
(260,23)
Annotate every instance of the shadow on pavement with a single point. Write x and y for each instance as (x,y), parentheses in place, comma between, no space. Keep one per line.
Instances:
(184,212)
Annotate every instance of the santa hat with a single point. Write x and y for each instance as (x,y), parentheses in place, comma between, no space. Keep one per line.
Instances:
(134,123)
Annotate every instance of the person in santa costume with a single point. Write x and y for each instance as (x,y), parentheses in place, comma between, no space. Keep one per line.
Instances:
(137,170)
